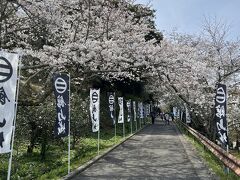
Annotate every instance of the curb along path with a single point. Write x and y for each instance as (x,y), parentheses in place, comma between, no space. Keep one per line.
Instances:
(157,152)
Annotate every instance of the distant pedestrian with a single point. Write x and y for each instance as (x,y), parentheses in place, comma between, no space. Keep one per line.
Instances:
(166,117)
(153,115)
(158,111)
(172,115)
(162,116)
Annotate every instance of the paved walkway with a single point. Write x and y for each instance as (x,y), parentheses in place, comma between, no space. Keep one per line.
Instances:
(157,152)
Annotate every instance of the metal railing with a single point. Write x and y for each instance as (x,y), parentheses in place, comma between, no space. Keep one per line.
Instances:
(229,160)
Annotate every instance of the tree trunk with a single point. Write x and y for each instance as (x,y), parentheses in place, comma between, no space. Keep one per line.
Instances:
(43,143)
(238,141)
(33,137)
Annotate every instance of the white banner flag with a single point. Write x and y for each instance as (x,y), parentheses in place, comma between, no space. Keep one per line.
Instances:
(95,108)
(188,118)
(134,111)
(144,110)
(149,109)
(174,112)
(141,110)
(8,86)
(178,114)
(129,110)
(181,116)
(121,110)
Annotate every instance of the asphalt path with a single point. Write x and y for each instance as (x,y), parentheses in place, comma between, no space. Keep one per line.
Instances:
(159,151)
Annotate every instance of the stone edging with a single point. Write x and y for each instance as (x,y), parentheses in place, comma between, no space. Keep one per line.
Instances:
(96,158)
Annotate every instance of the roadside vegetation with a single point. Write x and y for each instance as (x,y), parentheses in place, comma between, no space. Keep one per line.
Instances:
(55,165)
(214,164)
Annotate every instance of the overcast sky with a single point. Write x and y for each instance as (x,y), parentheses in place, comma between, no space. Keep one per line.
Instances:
(188,15)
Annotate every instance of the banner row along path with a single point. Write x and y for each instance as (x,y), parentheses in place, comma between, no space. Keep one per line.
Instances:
(158,151)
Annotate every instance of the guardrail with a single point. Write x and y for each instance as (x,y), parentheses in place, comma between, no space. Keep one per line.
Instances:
(229,160)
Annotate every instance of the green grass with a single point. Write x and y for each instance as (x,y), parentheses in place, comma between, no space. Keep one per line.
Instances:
(84,152)
(236,154)
(55,166)
(213,163)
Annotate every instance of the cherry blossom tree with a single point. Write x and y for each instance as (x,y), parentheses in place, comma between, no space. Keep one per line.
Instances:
(190,67)
(117,40)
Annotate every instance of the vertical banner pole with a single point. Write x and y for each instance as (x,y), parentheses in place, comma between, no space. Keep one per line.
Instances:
(141,115)
(220,117)
(131,126)
(227,168)
(115,120)
(95,113)
(227,131)
(135,116)
(136,124)
(227,146)
(121,114)
(99,125)
(140,122)
(14,121)
(69,139)
(138,112)
(98,136)
(123,119)
(115,133)
(62,92)
(112,110)
(123,130)
(131,116)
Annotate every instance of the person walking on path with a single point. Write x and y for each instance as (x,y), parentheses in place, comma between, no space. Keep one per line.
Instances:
(166,117)
(162,116)
(153,115)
